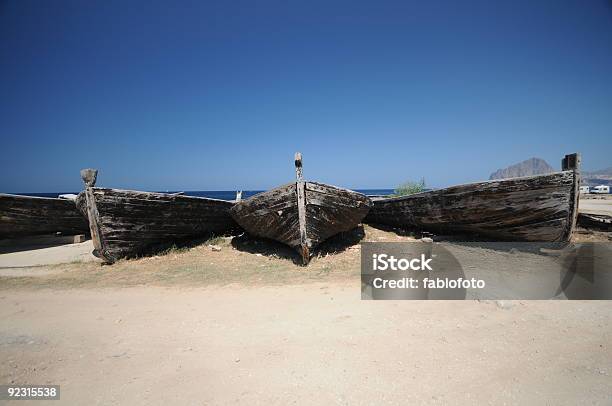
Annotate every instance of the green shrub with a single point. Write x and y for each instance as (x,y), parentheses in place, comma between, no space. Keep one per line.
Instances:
(410,188)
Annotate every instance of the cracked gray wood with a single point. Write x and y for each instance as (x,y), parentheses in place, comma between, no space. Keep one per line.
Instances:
(22,216)
(280,215)
(534,208)
(130,223)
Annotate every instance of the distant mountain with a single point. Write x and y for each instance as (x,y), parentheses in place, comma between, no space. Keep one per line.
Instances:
(601,172)
(596,178)
(532,166)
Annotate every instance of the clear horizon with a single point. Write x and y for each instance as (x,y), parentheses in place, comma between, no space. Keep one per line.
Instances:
(219,96)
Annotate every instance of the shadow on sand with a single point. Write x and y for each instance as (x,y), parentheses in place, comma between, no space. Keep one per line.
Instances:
(334,245)
(37,242)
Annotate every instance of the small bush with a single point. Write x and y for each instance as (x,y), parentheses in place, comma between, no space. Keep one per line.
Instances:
(410,188)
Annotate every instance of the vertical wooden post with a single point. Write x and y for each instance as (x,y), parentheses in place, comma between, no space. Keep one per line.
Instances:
(299,175)
(571,162)
(89,177)
(301,202)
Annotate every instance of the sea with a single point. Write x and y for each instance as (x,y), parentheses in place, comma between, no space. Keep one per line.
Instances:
(218,194)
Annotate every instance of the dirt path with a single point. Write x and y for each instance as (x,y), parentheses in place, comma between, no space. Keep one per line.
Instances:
(596,206)
(39,256)
(246,325)
(314,343)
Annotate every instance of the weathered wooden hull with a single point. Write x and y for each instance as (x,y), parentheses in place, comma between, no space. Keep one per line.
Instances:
(22,216)
(127,223)
(328,210)
(592,220)
(535,208)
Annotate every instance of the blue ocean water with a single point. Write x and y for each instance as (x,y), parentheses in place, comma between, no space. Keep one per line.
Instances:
(221,194)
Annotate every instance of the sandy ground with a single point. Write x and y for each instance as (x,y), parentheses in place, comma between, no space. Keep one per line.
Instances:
(61,254)
(601,205)
(246,325)
(307,344)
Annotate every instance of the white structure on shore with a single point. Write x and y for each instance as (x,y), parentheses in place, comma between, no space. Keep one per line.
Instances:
(601,189)
(68,196)
(585,189)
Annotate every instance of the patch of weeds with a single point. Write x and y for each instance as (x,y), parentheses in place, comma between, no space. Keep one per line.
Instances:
(215,240)
(325,270)
(410,188)
(173,249)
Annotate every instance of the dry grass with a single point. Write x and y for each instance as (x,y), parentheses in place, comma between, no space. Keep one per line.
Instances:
(242,260)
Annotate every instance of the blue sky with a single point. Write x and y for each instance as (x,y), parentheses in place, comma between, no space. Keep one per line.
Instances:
(209,96)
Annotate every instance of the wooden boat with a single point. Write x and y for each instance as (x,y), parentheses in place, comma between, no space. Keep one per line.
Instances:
(127,223)
(22,216)
(534,208)
(301,214)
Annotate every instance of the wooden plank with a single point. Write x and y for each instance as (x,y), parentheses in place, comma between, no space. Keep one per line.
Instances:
(271,214)
(298,167)
(572,162)
(331,210)
(89,177)
(301,205)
